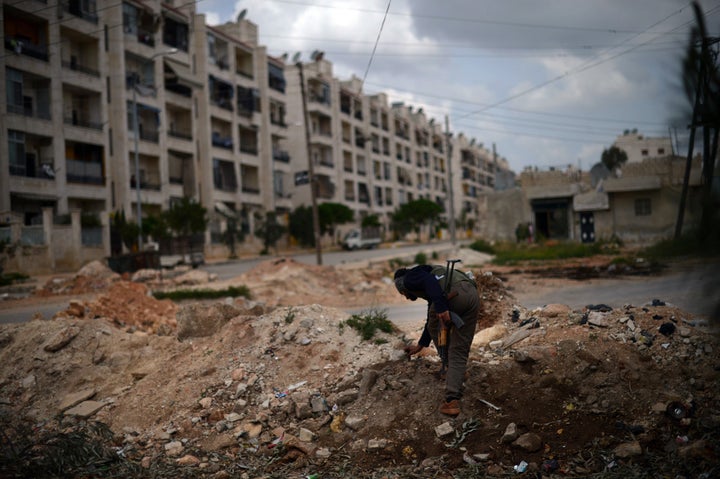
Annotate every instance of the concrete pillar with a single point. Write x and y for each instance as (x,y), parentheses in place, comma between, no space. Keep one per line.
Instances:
(76,227)
(47,215)
(105,222)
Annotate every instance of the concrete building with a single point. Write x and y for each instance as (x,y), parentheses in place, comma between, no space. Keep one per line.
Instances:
(374,156)
(639,147)
(638,207)
(135,105)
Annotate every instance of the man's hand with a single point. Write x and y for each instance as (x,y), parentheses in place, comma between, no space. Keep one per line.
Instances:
(413,349)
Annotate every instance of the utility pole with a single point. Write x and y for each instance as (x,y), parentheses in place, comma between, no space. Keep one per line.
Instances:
(311,170)
(448,148)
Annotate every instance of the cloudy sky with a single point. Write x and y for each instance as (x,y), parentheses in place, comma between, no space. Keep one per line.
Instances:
(549,82)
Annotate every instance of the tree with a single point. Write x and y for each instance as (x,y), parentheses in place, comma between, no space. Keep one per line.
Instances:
(155,226)
(414,214)
(232,235)
(186,218)
(268,230)
(371,221)
(613,158)
(301,226)
(333,214)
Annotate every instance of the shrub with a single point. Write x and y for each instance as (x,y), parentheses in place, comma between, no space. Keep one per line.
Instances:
(482,246)
(421,258)
(369,321)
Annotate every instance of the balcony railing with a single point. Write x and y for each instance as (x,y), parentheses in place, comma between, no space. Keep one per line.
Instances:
(222,142)
(80,68)
(151,136)
(249,149)
(282,156)
(23,47)
(27,110)
(146,184)
(30,171)
(183,135)
(251,189)
(87,172)
(84,123)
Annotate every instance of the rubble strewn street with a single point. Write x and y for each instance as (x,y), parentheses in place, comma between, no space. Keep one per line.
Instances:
(279,385)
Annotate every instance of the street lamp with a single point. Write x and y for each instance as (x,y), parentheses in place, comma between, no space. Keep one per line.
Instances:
(172,51)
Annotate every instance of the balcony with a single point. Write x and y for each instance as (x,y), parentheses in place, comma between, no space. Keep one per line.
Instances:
(222,141)
(152,184)
(175,34)
(75,66)
(181,134)
(276,78)
(76,121)
(23,46)
(281,156)
(224,177)
(81,9)
(86,172)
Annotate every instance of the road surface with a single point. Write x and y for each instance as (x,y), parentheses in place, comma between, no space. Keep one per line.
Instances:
(694,288)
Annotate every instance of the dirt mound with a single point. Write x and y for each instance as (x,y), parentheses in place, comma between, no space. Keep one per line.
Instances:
(128,306)
(293,390)
(91,278)
(286,282)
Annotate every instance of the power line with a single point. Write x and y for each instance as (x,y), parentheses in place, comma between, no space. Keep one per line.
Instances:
(546,114)
(377,40)
(579,69)
(463,19)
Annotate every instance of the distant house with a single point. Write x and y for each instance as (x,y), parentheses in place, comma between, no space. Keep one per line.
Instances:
(639,147)
(638,206)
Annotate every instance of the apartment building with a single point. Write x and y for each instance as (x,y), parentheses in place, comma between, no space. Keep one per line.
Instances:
(374,156)
(54,135)
(134,105)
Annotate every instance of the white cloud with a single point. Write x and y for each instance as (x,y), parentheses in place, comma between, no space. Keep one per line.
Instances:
(460,56)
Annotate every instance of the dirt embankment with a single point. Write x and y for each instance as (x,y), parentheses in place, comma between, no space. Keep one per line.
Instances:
(280,386)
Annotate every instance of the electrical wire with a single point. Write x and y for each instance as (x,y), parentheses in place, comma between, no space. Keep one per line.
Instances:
(377,40)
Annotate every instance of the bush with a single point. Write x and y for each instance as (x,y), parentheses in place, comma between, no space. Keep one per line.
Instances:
(421,258)
(482,246)
(510,253)
(369,321)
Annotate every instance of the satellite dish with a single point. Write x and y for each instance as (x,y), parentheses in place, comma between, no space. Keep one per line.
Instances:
(296,57)
(284,56)
(314,54)
(241,15)
(598,173)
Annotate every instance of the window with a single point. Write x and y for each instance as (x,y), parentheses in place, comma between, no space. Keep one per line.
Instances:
(644,152)
(661,151)
(643,207)
(16,150)
(130,19)
(14,87)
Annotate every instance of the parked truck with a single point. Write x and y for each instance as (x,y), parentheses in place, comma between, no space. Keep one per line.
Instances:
(365,238)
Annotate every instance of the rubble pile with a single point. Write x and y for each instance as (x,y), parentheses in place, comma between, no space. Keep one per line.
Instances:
(244,389)
(93,277)
(129,306)
(286,282)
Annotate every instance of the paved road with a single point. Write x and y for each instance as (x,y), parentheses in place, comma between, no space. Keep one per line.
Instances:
(230,269)
(693,288)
